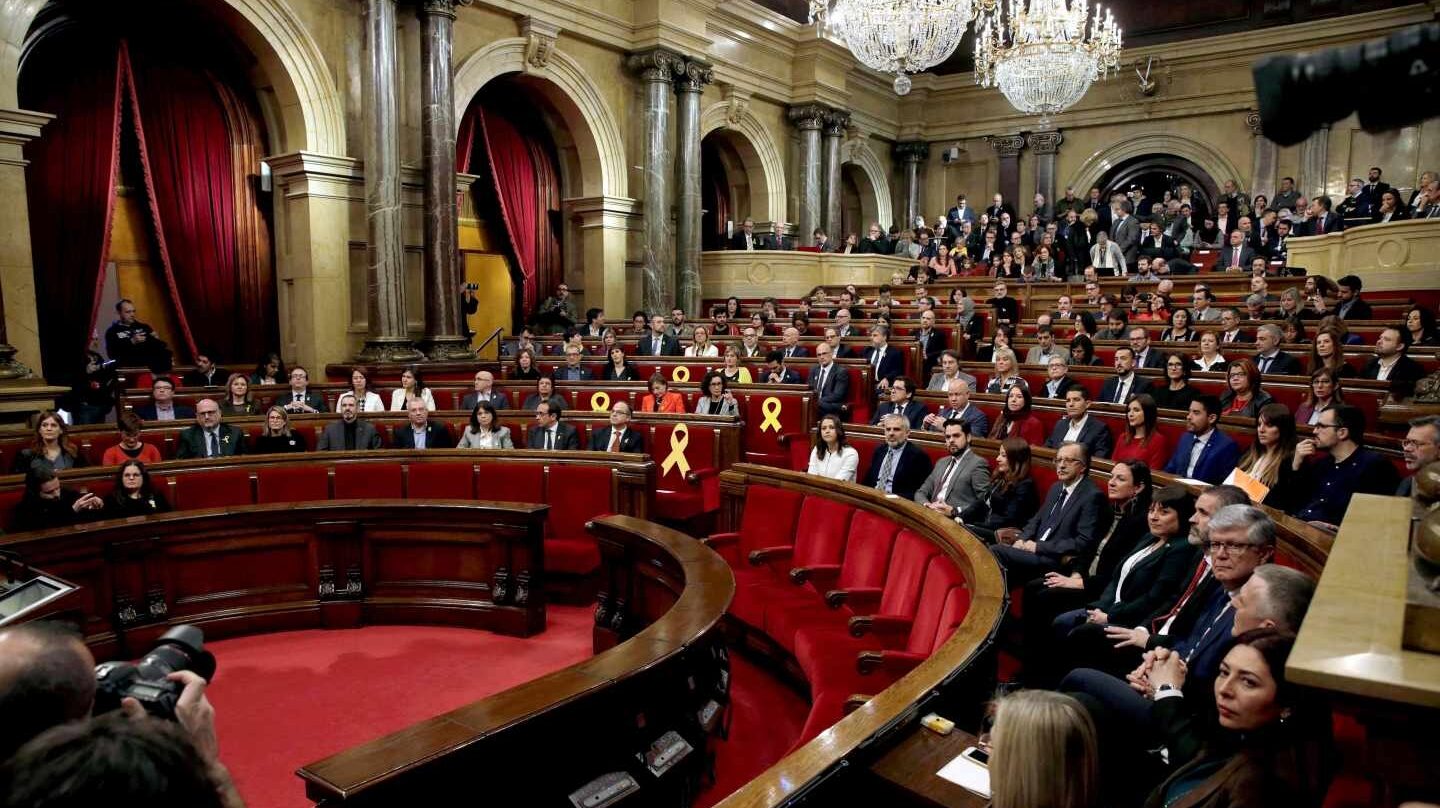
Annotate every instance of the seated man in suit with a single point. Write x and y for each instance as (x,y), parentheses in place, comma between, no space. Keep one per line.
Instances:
(549,433)
(658,342)
(829,382)
(949,371)
(1392,365)
(205,374)
(1269,359)
(745,238)
(899,467)
(162,406)
(572,370)
(837,348)
(1057,379)
(1230,328)
(902,403)
(931,342)
(958,407)
(1070,522)
(485,391)
(618,436)
(1203,452)
(349,432)
(1348,303)
(1040,353)
(790,343)
(298,398)
(1118,388)
(1235,257)
(886,363)
(959,483)
(775,371)
(422,433)
(777,240)
(1145,356)
(209,437)
(1076,426)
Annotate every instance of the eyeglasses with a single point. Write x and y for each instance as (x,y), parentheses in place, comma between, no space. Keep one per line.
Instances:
(1412,444)
(1327,426)
(1227,546)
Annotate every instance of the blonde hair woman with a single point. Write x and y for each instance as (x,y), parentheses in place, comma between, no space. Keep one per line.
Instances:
(1043,753)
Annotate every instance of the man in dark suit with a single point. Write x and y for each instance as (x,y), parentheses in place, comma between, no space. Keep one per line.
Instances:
(899,467)
(299,398)
(790,343)
(1203,452)
(1126,382)
(349,432)
(998,205)
(775,371)
(1078,427)
(1237,256)
(1322,220)
(1156,244)
(960,481)
(1007,308)
(886,363)
(962,212)
(1392,365)
(1057,377)
(485,391)
(549,433)
(875,242)
(837,348)
(901,402)
(205,374)
(1225,219)
(162,406)
(572,370)
(209,437)
(1348,304)
(618,436)
(1070,522)
(1269,358)
(1125,232)
(422,433)
(829,382)
(777,240)
(931,343)
(958,407)
(658,341)
(1368,201)
(1230,330)
(1145,355)
(744,238)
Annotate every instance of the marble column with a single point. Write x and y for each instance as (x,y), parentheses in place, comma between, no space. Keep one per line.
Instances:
(808,119)
(1264,158)
(836,124)
(657,69)
(688,87)
(388,336)
(1314,154)
(1008,148)
(911,154)
(1045,145)
(444,332)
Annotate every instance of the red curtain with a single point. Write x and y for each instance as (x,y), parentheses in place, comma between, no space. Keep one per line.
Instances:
(513,169)
(70,185)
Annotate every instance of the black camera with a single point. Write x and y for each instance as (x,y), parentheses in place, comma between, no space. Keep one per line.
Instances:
(1388,83)
(472,287)
(181,648)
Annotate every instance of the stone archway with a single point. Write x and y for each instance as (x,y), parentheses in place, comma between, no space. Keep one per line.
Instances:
(870,183)
(755,150)
(1209,159)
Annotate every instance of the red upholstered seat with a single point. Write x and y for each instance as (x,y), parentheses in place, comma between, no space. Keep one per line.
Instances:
(214,489)
(1043,476)
(820,533)
(292,484)
(9,500)
(510,482)
(675,496)
(768,520)
(576,494)
(440,481)
(867,556)
(368,481)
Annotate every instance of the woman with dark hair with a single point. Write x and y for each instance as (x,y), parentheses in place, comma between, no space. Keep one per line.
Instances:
(366,399)
(237,400)
(1244,396)
(130,446)
(46,503)
(1390,209)
(484,430)
(1057,593)
(1004,338)
(50,443)
(1086,326)
(269,370)
(1324,394)
(1179,330)
(660,399)
(1420,323)
(1174,392)
(133,494)
(276,437)
(1266,744)
(1271,456)
(716,398)
(1011,499)
(733,310)
(1292,330)
(525,366)
(831,456)
(1082,351)
(1142,441)
(1016,420)
(411,386)
(544,391)
(619,369)
(1328,351)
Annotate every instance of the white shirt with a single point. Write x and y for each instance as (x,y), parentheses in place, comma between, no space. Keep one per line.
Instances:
(1135,558)
(371,403)
(1197,450)
(1382,368)
(708,350)
(836,466)
(1123,388)
(419,436)
(1073,433)
(398,404)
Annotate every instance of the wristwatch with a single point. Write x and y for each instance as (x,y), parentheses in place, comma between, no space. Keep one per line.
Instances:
(1165,688)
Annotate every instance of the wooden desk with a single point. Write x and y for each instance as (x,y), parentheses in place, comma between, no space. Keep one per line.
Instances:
(909,769)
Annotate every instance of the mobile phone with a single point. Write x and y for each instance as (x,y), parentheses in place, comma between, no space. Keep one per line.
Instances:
(976,754)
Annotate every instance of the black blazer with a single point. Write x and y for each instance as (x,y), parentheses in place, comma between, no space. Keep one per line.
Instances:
(566,437)
(1155,581)
(1167,399)
(1063,384)
(631,441)
(910,472)
(147,412)
(831,400)
(930,351)
(437,436)
(1133,526)
(1282,365)
(498,400)
(314,400)
(1082,522)
(1112,384)
(625,374)
(1010,509)
(1095,435)
(892,364)
(192,442)
(914,413)
(669,346)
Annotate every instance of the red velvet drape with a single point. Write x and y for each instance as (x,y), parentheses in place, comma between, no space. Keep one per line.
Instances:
(513,169)
(70,185)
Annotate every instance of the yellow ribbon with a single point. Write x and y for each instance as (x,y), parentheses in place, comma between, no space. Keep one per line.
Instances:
(600,402)
(680,374)
(679,439)
(772,414)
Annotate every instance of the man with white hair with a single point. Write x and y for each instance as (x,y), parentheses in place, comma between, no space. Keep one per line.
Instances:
(899,467)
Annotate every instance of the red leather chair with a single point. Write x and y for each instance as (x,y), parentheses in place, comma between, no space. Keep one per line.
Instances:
(292,484)
(676,497)
(576,494)
(768,521)
(440,480)
(368,481)
(509,482)
(214,489)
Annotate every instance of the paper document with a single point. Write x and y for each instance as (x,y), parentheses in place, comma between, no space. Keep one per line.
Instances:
(967,774)
(1256,489)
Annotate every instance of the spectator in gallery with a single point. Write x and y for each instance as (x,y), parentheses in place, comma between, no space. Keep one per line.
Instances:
(133,344)
(269,370)
(276,437)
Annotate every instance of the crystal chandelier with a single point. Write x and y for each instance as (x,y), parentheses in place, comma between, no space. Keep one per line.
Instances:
(896,36)
(1041,59)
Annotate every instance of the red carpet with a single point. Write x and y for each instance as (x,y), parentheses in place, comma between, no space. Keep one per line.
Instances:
(284,700)
(766,718)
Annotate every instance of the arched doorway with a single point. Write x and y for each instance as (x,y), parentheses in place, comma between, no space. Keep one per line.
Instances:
(726,191)
(1155,174)
(857,207)
(147,184)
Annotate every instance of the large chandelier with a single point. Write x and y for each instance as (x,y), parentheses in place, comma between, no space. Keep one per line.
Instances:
(896,36)
(1041,59)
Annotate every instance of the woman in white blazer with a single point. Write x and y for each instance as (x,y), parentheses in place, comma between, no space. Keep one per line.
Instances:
(411,386)
(360,383)
(701,345)
(831,457)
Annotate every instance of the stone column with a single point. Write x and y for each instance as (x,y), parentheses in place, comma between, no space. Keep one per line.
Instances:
(1314,155)
(808,119)
(1263,160)
(18,318)
(688,87)
(912,154)
(1045,145)
(657,69)
(444,334)
(1008,148)
(836,124)
(388,336)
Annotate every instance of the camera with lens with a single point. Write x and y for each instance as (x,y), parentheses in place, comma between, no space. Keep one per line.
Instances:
(179,649)
(472,287)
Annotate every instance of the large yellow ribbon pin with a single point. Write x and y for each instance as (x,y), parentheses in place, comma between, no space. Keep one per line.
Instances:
(600,402)
(771,408)
(679,439)
(680,374)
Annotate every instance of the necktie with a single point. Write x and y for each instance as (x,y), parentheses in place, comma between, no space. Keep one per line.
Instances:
(1265,363)
(1236,261)
(879,354)
(1119,391)
(820,387)
(1320,225)
(886,469)
(614,441)
(1161,624)
(1054,516)
(214,445)
(549,439)
(944,488)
